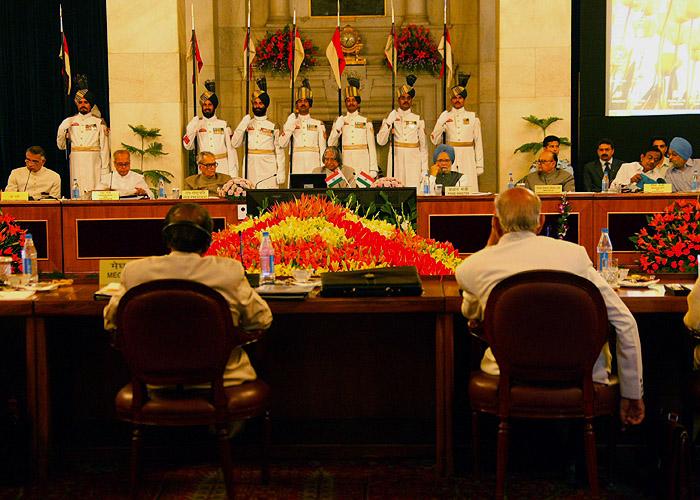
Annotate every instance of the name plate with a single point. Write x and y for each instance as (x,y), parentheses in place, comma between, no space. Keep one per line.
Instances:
(456,190)
(14,196)
(111,270)
(548,189)
(658,188)
(104,195)
(194,194)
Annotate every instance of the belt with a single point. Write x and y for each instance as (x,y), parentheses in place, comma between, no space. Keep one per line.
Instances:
(353,147)
(84,148)
(261,151)
(305,149)
(469,144)
(220,156)
(405,144)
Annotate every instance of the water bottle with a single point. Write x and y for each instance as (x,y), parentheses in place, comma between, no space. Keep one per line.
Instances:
(75,191)
(694,181)
(425,184)
(267,260)
(161,188)
(29,264)
(604,250)
(511,182)
(604,184)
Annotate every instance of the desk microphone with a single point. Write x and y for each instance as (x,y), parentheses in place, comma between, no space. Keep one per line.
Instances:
(263,180)
(27,183)
(111,176)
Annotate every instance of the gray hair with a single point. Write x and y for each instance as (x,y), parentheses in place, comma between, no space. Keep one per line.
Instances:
(336,153)
(37,150)
(518,209)
(202,154)
(121,152)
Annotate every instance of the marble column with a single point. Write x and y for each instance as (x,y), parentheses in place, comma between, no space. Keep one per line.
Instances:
(279,12)
(415,12)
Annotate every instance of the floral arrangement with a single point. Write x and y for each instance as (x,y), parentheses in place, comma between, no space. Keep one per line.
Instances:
(387,182)
(671,240)
(272,52)
(11,240)
(563,220)
(317,234)
(416,50)
(235,188)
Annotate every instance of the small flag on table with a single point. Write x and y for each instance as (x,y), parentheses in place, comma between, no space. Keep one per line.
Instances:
(334,179)
(364,179)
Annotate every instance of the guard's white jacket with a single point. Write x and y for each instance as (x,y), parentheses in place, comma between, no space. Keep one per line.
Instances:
(359,148)
(213,135)
(89,148)
(266,164)
(309,142)
(410,150)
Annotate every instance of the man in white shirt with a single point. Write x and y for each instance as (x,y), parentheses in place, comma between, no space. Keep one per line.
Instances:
(633,176)
(665,163)
(128,183)
(34,177)
(211,133)
(306,135)
(356,133)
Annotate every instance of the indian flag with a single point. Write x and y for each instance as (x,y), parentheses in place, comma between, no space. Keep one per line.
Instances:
(334,179)
(364,179)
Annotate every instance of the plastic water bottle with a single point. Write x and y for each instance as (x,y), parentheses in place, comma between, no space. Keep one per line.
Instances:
(694,181)
(604,249)
(511,182)
(604,184)
(29,264)
(75,190)
(425,184)
(267,260)
(161,189)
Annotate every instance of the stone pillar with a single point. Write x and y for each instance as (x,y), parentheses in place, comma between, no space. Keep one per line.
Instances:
(279,13)
(415,12)
(147,82)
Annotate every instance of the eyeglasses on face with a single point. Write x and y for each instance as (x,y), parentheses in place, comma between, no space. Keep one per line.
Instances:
(208,165)
(542,162)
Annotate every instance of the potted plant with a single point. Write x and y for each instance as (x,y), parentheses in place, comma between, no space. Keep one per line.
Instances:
(154,149)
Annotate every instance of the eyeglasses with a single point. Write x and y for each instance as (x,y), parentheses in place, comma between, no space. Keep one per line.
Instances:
(542,162)
(443,160)
(122,163)
(32,161)
(208,165)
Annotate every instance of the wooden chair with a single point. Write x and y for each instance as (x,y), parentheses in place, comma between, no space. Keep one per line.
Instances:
(179,333)
(546,329)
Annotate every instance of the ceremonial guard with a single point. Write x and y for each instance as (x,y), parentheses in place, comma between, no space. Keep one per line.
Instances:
(309,134)
(410,150)
(464,134)
(89,146)
(266,165)
(211,133)
(356,133)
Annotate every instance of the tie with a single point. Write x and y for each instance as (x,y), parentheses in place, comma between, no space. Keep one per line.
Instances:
(606,170)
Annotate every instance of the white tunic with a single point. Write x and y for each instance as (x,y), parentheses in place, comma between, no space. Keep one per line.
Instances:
(35,183)
(89,155)
(213,135)
(125,184)
(309,142)
(266,164)
(464,134)
(629,170)
(359,149)
(410,149)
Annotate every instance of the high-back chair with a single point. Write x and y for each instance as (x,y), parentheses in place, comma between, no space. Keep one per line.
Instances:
(546,329)
(179,333)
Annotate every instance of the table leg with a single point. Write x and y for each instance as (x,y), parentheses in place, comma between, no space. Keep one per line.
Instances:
(38,395)
(444,393)
(30,361)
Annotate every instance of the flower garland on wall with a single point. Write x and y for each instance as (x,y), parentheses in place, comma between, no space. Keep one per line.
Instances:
(317,234)
(671,240)
(11,240)
(416,50)
(272,52)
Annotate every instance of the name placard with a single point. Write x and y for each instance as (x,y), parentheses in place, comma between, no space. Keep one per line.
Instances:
(548,189)
(111,270)
(658,188)
(104,195)
(456,191)
(194,194)
(14,196)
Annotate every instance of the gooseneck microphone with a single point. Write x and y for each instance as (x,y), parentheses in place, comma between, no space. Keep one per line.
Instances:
(27,183)
(263,180)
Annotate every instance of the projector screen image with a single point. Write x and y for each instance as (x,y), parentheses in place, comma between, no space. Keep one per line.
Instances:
(653,57)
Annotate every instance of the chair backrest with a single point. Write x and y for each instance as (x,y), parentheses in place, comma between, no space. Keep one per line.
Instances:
(546,326)
(175,332)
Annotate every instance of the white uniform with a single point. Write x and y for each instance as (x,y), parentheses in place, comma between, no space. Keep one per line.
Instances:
(309,142)
(464,134)
(89,149)
(265,156)
(213,135)
(410,149)
(359,149)
(125,184)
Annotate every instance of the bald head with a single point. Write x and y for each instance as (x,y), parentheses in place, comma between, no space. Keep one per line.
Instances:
(518,209)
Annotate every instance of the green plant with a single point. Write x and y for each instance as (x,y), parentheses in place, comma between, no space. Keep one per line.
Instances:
(153,149)
(542,123)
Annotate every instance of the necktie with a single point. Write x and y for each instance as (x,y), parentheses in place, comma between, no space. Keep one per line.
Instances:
(606,170)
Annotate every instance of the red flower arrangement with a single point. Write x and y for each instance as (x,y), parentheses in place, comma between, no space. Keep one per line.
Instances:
(316,234)
(671,241)
(272,52)
(416,50)
(11,240)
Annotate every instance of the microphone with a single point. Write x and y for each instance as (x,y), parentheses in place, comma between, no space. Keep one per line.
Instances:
(263,180)
(27,183)
(111,176)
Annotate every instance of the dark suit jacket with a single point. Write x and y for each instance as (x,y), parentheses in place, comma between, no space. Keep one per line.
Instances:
(593,174)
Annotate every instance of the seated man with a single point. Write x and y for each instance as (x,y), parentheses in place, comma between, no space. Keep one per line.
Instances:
(332,163)
(514,246)
(594,171)
(187,234)
(633,176)
(662,144)
(128,183)
(680,175)
(208,178)
(548,174)
(34,178)
(551,143)
(443,158)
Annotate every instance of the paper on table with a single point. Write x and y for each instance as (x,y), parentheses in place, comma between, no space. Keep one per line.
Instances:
(15,294)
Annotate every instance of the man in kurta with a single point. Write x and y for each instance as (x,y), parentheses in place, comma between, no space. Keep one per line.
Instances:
(34,177)
(548,174)
(463,130)
(355,133)
(211,133)
(207,178)
(410,150)
(128,183)
(337,174)
(305,136)
(266,167)
(89,146)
